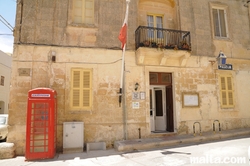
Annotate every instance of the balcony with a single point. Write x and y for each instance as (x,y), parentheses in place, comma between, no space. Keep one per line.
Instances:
(164,47)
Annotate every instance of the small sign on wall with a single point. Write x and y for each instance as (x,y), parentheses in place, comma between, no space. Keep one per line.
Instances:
(135,105)
(143,95)
(24,71)
(138,96)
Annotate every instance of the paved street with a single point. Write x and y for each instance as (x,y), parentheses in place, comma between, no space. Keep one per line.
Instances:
(229,152)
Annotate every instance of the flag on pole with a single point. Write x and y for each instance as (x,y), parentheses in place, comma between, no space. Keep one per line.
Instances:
(123,32)
(123,35)
(123,38)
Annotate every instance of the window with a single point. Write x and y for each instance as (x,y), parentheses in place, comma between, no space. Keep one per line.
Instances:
(83,11)
(155,21)
(81,89)
(226,91)
(2,81)
(219,21)
(160,78)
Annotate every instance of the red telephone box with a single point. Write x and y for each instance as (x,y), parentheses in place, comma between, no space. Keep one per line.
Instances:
(41,124)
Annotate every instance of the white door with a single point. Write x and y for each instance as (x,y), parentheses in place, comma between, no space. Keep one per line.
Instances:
(158,107)
(152,114)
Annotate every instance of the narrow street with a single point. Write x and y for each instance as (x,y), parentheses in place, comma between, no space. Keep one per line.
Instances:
(229,152)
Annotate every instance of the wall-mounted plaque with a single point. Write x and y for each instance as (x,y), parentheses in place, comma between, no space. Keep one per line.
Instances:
(135,95)
(190,99)
(135,105)
(24,71)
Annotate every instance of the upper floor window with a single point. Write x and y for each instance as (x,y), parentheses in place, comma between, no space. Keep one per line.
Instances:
(219,20)
(155,21)
(2,81)
(83,11)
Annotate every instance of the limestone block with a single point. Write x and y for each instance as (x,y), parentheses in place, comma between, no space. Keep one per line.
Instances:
(7,150)
(96,146)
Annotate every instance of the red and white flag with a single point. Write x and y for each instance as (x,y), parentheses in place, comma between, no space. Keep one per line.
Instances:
(123,35)
(123,32)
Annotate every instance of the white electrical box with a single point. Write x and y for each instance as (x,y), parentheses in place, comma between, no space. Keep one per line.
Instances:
(73,137)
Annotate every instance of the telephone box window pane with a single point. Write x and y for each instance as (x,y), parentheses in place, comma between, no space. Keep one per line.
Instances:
(38,149)
(39,143)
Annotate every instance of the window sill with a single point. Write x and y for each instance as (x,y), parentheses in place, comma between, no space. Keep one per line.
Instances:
(232,109)
(80,111)
(82,25)
(223,39)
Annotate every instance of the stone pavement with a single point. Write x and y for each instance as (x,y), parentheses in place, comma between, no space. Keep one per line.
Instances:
(140,144)
(124,148)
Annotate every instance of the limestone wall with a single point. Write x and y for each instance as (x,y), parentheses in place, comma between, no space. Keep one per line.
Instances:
(45,28)
(49,22)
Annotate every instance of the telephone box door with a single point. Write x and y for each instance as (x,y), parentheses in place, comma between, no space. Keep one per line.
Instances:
(41,124)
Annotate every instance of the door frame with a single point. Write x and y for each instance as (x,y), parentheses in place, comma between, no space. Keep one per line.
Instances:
(168,103)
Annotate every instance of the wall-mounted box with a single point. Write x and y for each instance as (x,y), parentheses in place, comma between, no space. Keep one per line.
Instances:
(73,137)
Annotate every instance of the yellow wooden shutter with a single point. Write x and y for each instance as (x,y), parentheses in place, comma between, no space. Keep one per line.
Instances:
(226,90)
(223,91)
(83,11)
(76,78)
(86,89)
(77,11)
(89,12)
(230,91)
(81,89)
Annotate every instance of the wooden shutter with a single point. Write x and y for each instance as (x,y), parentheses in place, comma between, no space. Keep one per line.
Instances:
(76,79)
(86,89)
(81,89)
(227,91)
(77,11)
(230,91)
(89,12)
(83,11)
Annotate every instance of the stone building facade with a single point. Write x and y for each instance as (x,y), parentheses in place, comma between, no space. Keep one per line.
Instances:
(5,72)
(171,53)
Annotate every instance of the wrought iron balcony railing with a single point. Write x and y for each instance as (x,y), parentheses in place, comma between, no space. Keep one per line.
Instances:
(162,38)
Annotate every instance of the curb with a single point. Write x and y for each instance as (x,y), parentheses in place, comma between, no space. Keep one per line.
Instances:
(149,143)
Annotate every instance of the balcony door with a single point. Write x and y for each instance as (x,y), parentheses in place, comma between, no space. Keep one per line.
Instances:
(155,22)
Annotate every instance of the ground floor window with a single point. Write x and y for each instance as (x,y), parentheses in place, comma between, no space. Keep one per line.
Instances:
(226,91)
(81,89)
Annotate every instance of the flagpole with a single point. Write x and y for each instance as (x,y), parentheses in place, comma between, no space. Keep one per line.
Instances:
(122,74)
(123,39)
